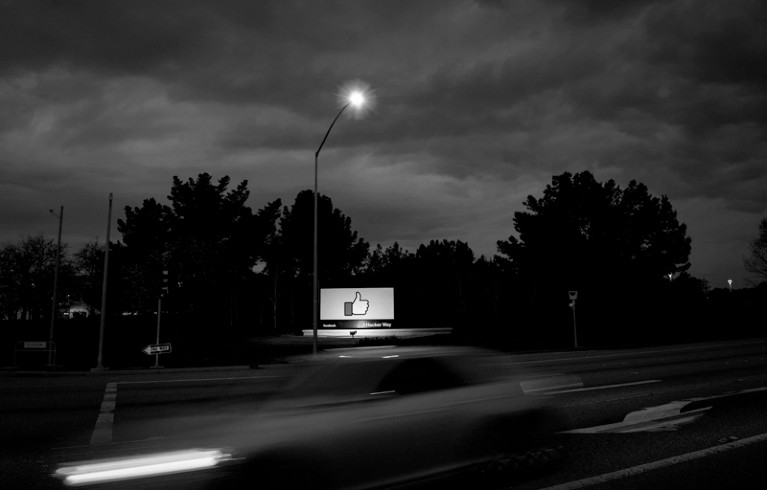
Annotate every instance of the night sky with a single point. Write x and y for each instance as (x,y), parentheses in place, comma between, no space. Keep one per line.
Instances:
(478,105)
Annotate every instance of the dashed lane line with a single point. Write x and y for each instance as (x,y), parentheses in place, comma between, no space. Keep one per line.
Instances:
(604,387)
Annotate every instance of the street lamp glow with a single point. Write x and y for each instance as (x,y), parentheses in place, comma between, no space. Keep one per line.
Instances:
(358,96)
(357,99)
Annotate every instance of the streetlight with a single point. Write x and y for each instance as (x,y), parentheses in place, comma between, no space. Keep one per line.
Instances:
(60,216)
(355,95)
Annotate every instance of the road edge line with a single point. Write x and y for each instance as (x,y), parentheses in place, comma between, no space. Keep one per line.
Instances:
(655,465)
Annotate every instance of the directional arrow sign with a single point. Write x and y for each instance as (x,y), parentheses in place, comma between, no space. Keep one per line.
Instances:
(156,349)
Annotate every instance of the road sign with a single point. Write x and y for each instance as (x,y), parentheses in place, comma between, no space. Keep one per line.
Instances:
(573,295)
(35,345)
(152,349)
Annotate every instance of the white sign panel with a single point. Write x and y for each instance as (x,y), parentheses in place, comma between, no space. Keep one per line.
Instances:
(35,345)
(357,304)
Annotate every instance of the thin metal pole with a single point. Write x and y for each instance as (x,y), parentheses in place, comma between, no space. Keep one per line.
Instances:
(104,290)
(315,284)
(55,289)
(159,311)
(575,329)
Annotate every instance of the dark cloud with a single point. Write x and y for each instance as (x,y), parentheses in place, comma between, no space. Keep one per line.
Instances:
(479,104)
(103,36)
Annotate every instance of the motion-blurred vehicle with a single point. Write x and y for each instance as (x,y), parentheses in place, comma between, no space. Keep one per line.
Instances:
(357,418)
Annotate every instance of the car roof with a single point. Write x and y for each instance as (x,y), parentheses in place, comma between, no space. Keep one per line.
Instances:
(359,371)
(392,351)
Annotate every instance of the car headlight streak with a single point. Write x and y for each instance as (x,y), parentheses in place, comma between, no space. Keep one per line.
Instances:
(89,473)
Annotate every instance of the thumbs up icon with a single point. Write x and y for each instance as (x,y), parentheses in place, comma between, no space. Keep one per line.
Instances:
(357,307)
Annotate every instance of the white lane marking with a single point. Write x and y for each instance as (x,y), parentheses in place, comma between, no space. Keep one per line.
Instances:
(198,379)
(549,382)
(102,431)
(604,387)
(527,387)
(663,463)
(661,417)
(664,417)
(634,353)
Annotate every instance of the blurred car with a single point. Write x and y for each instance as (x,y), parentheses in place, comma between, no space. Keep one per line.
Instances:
(357,418)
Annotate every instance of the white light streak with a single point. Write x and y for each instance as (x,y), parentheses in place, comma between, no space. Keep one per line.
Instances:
(89,473)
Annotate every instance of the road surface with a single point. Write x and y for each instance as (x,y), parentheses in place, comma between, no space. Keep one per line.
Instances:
(687,416)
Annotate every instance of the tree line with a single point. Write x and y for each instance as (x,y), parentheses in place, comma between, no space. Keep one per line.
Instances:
(219,266)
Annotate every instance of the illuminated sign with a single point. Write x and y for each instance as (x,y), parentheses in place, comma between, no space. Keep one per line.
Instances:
(357,307)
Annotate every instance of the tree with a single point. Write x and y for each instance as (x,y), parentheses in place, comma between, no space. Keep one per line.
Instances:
(27,277)
(208,241)
(342,253)
(88,267)
(613,245)
(386,267)
(89,270)
(146,235)
(757,263)
(443,270)
(273,257)
(214,245)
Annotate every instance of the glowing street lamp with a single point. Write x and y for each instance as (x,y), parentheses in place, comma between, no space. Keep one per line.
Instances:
(356,95)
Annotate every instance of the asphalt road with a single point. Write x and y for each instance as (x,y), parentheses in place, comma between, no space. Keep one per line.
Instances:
(697,414)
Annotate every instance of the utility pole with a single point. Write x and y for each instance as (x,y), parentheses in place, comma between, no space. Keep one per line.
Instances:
(54,309)
(100,365)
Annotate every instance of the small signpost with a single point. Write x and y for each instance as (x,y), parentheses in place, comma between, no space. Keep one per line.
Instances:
(573,297)
(157,349)
(30,346)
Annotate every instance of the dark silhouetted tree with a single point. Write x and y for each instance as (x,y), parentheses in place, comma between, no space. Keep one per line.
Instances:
(274,260)
(146,235)
(442,271)
(384,267)
(615,246)
(209,241)
(756,264)
(342,253)
(27,278)
(89,269)
(89,277)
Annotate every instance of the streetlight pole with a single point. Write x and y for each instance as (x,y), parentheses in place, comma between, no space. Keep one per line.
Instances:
(356,99)
(315,283)
(54,309)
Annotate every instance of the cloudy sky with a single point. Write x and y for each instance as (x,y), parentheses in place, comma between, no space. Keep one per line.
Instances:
(478,105)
